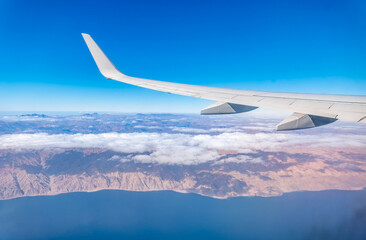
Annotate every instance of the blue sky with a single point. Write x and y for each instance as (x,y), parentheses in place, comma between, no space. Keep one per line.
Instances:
(291,46)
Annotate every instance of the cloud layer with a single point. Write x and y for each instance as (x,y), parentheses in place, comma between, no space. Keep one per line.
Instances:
(168,148)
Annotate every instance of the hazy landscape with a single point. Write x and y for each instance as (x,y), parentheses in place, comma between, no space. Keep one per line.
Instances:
(213,156)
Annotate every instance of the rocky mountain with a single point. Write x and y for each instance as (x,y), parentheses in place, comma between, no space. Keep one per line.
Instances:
(47,173)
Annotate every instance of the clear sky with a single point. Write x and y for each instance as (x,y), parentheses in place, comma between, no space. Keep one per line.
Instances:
(307,46)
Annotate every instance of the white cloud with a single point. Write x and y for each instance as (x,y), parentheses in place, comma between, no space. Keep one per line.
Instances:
(146,127)
(165,148)
(242,159)
(188,130)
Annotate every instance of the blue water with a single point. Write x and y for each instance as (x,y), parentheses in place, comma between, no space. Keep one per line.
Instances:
(168,215)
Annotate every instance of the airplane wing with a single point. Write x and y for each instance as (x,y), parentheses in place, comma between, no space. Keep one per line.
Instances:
(309,110)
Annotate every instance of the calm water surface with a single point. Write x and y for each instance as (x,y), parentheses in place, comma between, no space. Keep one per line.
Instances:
(168,215)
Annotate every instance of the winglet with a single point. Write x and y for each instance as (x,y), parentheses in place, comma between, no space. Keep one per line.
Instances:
(106,67)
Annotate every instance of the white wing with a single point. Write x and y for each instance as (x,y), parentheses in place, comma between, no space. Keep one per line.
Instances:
(309,110)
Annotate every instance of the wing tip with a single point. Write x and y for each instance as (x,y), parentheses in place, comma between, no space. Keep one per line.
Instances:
(105,65)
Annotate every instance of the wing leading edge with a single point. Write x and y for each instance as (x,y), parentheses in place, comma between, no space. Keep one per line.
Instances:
(309,110)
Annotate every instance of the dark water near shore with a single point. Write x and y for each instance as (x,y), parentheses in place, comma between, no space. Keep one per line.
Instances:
(168,215)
